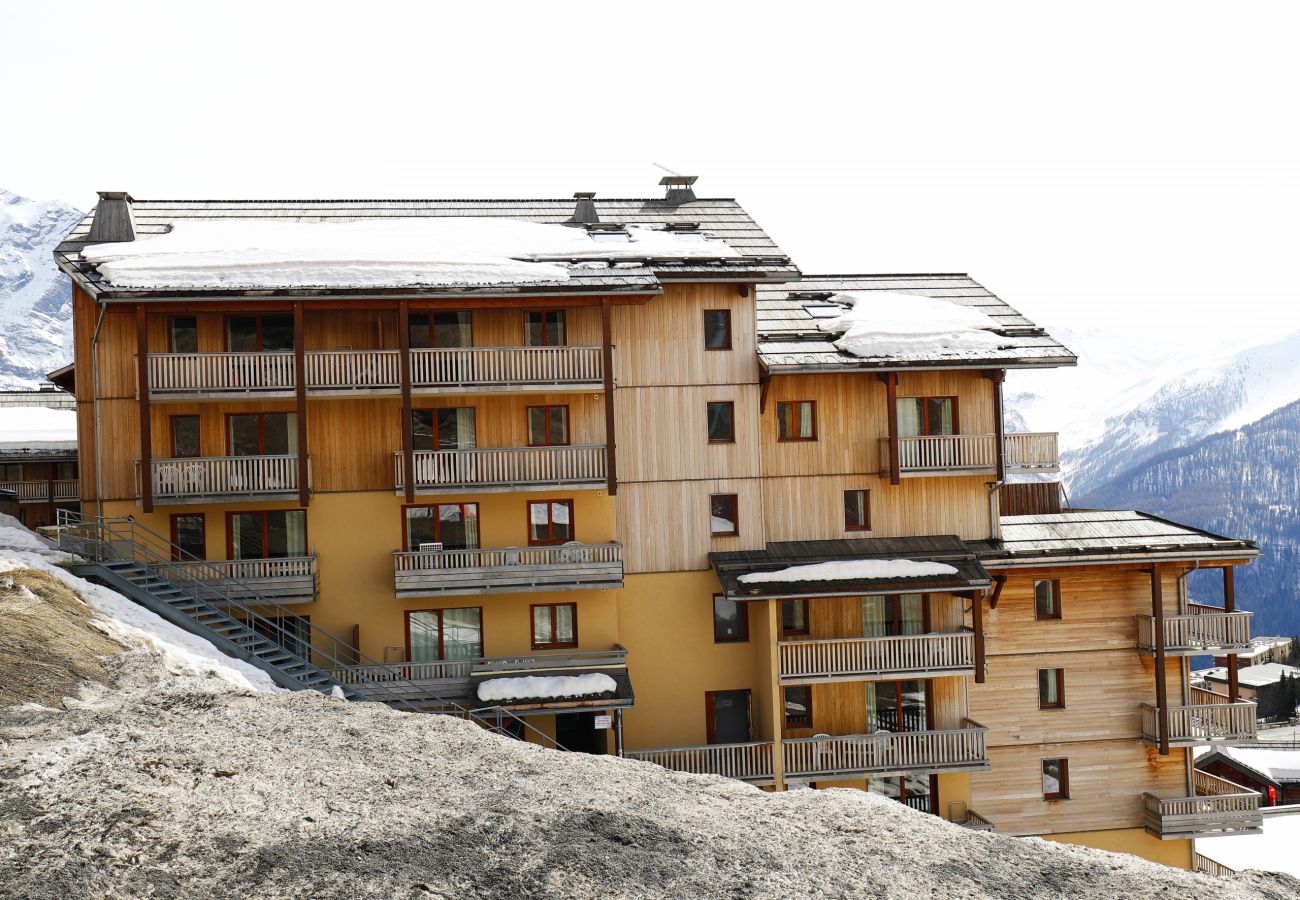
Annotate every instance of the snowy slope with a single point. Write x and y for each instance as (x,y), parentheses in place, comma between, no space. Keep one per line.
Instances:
(35,298)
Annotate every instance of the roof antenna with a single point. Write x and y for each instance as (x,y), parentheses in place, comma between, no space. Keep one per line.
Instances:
(666,169)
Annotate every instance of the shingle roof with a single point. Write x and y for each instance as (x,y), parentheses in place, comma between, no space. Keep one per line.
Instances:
(789,340)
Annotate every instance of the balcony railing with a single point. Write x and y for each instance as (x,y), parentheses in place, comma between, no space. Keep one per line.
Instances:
(199,478)
(847,659)
(975,822)
(504,468)
(39,491)
(1204,629)
(571,566)
(1219,807)
(943,750)
(378,371)
(745,762)
(1202,723)
(290,579)
(973,453)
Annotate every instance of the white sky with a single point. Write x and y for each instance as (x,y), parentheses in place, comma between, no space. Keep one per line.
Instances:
(1094,165)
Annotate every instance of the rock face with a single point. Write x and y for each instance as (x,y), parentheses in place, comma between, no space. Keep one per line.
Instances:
(35,297)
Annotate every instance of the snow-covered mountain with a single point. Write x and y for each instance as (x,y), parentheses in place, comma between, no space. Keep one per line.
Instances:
(35,298)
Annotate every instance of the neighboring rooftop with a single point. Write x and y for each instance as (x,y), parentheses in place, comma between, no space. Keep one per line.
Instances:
(1254,676)
(1278,766)
(34,432)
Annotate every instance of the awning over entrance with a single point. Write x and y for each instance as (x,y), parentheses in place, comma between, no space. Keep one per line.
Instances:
(904,565)
(535,688)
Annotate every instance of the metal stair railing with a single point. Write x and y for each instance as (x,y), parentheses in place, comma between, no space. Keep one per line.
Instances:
(122,539)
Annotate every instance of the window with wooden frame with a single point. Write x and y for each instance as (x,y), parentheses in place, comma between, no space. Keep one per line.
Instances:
(730,621)
(544,328)
(1056,779)
(926,416)
(266,534)
(555,625)
(453,525)
(1047,598)
(189,536)
(721,415)
(548,426)
(717,329)
(724,519)
(728,718)
(11,472)
(550,521)
(857,510)
(1051,689)
(798,706)
(185,436)
(796,420)
(433,635)
(448,428)
(65,471)
(794,617)
(441,329)
(262,434)
(265,333)
(183,334)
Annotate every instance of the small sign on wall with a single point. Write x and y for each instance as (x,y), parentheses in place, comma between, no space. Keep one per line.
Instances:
(604,721)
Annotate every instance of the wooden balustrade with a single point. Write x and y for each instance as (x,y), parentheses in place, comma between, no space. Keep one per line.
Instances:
(39,491)
(202,373)
(947,453)
(975,822)
(746,762)
(958,749)
(1031,452)
(353,370)
(842,659)
(1198,632)
(67,489)
(290,579)
(450,367)
(1202,697)
(1219,807)
(1201,723)
(505,467)
(198,477)
(570,566)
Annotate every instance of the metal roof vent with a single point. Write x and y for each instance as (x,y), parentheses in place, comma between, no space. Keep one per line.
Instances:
(585,212)
(113,221)
(608,232)
(682,227)
(679,187)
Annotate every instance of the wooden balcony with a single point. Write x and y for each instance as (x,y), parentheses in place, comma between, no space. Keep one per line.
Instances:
(1204,629)
(504,469)
(750,762)
(975,822)
(291,579)
(1219,807)
(218,479)
(1212,719)
(345,372)
(862,755)
(65,490)
(572,566)
(972,454)
(867,659)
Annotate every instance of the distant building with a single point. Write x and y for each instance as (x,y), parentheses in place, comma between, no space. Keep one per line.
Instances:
(1274,773)
(1253,679)
(1273,649)
(38,454)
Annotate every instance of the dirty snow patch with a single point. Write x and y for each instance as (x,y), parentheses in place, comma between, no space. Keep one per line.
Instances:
(852,570)
(530,687)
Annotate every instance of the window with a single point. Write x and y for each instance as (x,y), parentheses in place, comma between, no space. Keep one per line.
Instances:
(257,334)
(798,706)
(897,706)
(555,625)
(293,633)
(454,525)
(1056,779)
(185,436)
(11,472)
(544,328)
(188,536)
(717,329)
(262,434)
(893,615)
(794,617)
(927,415)
(65,471)
(1047,599)
(443,634)
(550,521)
(722,422)
(443,429)
(548,426)
(857,510)
(1051,688)
(441,329)
(796,420)
(912,790)
(730,621)
(728,720)
(274,534)
(183,334)
(722,510)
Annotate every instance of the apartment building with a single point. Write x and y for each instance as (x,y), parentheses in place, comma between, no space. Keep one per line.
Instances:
(38,454)
(617,474)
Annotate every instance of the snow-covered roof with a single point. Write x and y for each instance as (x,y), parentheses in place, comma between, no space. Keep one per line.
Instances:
(1275,765)
(1257,676)
(36,429)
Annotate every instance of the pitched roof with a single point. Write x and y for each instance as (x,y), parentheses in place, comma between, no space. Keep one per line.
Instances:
(790,341)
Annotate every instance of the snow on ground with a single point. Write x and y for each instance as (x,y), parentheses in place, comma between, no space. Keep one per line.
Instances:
(38,427)
(1273,851)
(910,326)
(383,253)
(852,570)
(539,686)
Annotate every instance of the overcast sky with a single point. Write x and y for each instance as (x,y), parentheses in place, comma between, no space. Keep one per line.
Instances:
(1101,165)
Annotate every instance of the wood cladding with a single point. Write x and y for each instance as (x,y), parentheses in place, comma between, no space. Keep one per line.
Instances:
(661,343)
(664,433)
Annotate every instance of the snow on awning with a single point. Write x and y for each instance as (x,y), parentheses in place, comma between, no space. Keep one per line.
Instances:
(852,570)
(545,687)
(552,690)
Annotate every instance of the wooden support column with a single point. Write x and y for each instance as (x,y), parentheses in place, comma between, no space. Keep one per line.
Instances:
(997,376)
(891,399)
(1230,605)
(146,425)
(408,439)
(607,363)
(777,706)
(300,395)
(1162,688)
(977,623)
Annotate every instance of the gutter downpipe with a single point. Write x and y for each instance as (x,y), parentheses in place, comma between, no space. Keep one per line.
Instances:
(94,399)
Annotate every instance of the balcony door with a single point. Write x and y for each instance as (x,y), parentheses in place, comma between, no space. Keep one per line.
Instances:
(444,330)
(913,790)
(434,635)
(262,434)
(729,720)
(924,416)
(897,706)
(444,429)
(274,534)
(893,616)
(453,525)
(259,334)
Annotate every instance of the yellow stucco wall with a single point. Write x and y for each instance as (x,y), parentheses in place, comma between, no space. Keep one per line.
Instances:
(1136,841)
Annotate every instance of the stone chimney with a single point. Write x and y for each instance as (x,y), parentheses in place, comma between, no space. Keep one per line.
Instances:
(113,221)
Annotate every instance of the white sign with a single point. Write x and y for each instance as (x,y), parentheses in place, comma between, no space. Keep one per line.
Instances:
(604,721)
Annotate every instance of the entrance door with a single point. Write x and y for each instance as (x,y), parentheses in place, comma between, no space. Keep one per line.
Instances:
(728,717)
(578,732)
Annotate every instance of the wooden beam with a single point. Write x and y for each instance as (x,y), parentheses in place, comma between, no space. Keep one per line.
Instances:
(997,376)
(300,395)
(408,438)
(1162,688)
(891,400)
(607,363)
(146,425)
(999,582)
(1230,605)
(776,706)
(764,382)
(977,622)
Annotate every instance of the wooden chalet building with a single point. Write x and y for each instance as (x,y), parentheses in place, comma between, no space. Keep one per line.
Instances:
(38,455)
(636,461)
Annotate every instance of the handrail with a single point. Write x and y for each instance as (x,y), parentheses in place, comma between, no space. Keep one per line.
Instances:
(123,538)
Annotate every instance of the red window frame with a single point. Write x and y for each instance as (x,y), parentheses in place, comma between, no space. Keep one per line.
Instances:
(865,525)
(442,631)
(415,410)
(225,328)
(427,315)
(806,719)
(1059,702)
(546,327)
(171,429)
(926,429)
(230,526)
(710,715)
(437,528)
(1054,615)
(551,539)
(789,409)
(261,429)
(1063,782)
(806,629)
(742,616)
(175,533)
(171,333)
(552,645)
(735,515)
(726,314)
(731,419)
(549,441)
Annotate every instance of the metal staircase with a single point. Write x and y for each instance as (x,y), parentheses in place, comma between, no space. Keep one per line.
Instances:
(135,561)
